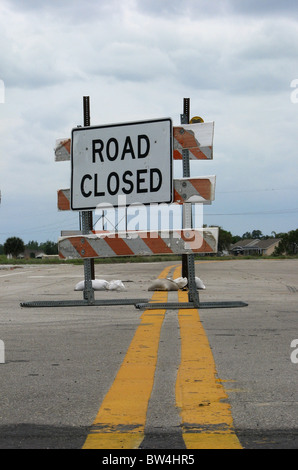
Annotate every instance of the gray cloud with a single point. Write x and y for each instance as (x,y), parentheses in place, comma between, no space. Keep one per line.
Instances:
(197,9)
(137,60)
(266,8)
(73,12)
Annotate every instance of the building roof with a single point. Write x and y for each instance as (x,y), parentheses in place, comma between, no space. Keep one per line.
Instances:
(255,243)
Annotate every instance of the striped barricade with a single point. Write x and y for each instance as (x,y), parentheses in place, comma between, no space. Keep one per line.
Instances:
(195,190)
(139,243)
(197,138)
(62,150)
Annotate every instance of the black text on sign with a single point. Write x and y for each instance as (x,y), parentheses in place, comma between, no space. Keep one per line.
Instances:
(132,160)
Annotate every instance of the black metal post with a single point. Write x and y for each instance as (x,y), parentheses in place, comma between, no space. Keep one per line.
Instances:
(188,263)
(87,224)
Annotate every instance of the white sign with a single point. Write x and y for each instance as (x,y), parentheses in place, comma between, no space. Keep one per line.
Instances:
(131,161)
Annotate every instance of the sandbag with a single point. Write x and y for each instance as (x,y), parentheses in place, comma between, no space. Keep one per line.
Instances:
(199,283)
(97,284)
(163,285)
(116,285)
(181,282)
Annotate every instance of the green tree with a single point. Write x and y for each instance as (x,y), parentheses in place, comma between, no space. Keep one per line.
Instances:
(247,235)
(256,234)
(253,234)
(14,246)
(288,244)
(32,245)
(235,239)
(49,248)
(225,239)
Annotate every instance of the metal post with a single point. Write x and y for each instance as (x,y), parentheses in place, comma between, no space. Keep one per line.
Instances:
(188,261)
(184,119)
(87,225)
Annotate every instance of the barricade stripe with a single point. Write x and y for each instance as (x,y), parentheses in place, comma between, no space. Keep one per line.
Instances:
(202,188)
(118,245)
(135,242)
(196,238)
(104,250)
(69,249)
(157,244)
(62,150)
(205,247)
(177,197)
(177,155)
(194,190)
(63,199)
(83,247)
(184,137)
(137,245)
(194,154)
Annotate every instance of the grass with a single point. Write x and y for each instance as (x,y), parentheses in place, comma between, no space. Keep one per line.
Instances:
(118,259)
(134,259)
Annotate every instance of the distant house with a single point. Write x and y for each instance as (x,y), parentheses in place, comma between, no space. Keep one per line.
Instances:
(30,254)
(33,254)
(254,246)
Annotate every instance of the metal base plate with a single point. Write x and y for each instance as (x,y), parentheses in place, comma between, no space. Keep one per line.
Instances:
(81,303)
(180,305)
(138,303)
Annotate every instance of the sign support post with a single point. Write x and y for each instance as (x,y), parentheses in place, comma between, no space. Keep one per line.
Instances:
(188,263)
(87,225)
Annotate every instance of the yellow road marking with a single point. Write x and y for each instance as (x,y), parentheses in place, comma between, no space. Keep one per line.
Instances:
(121,419)
(206,416)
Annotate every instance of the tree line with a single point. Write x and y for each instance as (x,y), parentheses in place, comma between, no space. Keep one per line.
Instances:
(15,246)
(288,240)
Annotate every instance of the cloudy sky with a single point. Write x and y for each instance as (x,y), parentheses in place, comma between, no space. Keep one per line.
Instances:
(237,61)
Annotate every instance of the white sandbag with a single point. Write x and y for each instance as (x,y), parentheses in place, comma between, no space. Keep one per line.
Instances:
(80,285)
(163,285)
(97,284)
(116,285)
(199,283)
(100,284)
(181,282)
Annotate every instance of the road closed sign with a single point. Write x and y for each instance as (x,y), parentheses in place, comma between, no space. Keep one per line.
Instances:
(130,162)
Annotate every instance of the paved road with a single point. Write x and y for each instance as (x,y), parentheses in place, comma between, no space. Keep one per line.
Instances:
(118,377)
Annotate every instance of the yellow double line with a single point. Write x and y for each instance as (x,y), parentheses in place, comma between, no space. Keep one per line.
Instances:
(121,419)
(206,419)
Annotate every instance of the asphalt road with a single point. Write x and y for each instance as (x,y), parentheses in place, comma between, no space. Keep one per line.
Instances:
(120,377)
